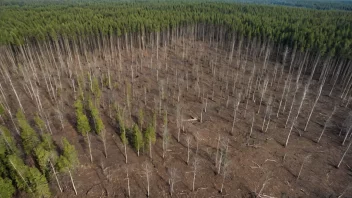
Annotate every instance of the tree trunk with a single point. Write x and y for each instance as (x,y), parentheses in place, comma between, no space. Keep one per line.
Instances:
(73,184)
(315,103)
(55,174)
(90,149)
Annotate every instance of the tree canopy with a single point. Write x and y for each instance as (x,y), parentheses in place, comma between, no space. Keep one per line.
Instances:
(320,30)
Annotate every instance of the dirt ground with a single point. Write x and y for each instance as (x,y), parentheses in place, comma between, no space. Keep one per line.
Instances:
(256,164)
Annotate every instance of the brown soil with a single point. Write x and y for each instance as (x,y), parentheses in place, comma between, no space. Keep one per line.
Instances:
(253,161)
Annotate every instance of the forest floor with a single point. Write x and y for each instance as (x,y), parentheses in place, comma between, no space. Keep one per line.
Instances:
(259,163)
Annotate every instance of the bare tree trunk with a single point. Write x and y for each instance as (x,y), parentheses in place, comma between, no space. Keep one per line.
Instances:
(300,170)
(195,167)
(19,173)
(73,184)
(315,103)
(188,149)
(90,149)
(55,174)
(217,151)
(103,134)
(128,184)
(253,118)
(172,180)
(147,173)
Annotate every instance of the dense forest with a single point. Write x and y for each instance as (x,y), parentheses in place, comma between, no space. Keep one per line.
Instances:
(174,99)
(321,31)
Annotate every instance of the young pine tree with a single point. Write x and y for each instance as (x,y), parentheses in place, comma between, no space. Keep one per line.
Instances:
(44,152)
(68,161)
(98,123)
(27,178)
(6,188)
(150,138)
(137,138)
(83,126)
(120,119)
(29,137)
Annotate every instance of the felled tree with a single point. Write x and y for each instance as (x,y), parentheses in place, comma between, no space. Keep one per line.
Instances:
(137,138)
(28,135)
(98,124)
(6,188)
(68,161)
(150,138)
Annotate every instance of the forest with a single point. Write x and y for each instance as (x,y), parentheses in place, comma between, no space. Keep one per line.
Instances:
(175,99)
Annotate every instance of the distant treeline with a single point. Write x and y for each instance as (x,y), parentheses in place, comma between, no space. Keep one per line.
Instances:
(307,29)
(314,4)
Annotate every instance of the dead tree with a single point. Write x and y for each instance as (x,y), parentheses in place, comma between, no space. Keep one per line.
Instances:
(267,113)
(195,169)
(224,174)
(304,161)
(298,112)
(253,119)
(344,154)
(147,172)
(165,136)
(263,90)
(173,179)
(315,103)
(217,151)
(347,125)
(128,183)
(236,105)
(327,123)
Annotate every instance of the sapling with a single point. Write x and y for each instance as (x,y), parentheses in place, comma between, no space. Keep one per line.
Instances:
(137,138)
(150,137)
(68,160)
(120,119)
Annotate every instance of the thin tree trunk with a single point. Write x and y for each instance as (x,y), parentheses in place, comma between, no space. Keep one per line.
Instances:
(55,174)
(90,149)
(315,103)
(73,184)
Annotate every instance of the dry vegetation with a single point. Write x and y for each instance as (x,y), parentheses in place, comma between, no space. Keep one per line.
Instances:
(238,118)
